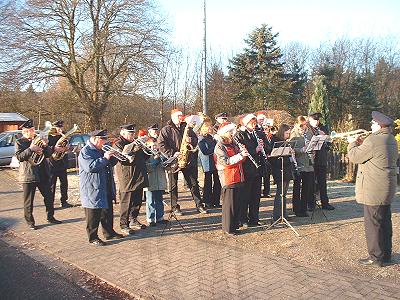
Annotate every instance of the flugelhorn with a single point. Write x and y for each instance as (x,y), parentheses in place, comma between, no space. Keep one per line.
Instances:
(117,153)
(354,133)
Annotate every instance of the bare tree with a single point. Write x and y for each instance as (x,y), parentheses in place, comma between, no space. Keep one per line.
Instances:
(101,47)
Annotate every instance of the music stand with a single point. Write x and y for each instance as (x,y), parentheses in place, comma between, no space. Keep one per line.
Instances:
(315,145)
(280,150)
(171,209)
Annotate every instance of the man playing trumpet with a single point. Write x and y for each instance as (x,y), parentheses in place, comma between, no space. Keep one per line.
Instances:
(376,157)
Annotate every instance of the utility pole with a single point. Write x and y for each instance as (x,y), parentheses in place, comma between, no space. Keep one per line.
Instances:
(205,102)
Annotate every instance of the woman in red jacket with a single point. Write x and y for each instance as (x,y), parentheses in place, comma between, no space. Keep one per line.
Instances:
(229,158)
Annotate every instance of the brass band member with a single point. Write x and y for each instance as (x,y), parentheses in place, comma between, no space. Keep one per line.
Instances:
(303,183)
(269,132)
(33,176)
(212,186)
(320,161)
(132,178)
(58,168)
(252,190)
(97,187)
(265,164)
(376,186)
(229,160)
(169,141)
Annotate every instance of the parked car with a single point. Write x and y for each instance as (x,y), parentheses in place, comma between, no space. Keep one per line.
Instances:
(7,146)
(76,143)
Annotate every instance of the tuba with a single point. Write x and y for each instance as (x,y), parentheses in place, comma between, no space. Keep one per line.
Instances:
(63,142)
(41,141)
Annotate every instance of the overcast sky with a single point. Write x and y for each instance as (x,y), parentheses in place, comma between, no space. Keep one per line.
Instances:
(307,21)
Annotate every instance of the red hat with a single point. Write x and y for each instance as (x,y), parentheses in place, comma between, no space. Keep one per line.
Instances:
(247,118)
(226,127)
(142,132)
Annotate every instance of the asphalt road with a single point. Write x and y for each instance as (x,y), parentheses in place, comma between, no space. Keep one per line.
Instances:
(21,277)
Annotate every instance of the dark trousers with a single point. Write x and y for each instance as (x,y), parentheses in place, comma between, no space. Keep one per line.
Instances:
(95,216)
(62,176)
(29,190)
(303,192)
(212,188)
(250,203)
(130,206)
(190,175)
(378,231)
(320,176)
(231,198)
(266,178)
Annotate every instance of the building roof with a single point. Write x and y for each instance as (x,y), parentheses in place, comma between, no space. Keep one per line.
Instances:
(12,117)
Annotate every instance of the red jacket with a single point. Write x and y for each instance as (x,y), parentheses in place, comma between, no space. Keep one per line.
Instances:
(229,164)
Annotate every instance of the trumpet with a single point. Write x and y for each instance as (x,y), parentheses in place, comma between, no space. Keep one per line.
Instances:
(354,133)
(117,153)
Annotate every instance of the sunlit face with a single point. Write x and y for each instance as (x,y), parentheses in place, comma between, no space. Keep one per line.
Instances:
(313,122)
(176,118)
(127,135)
(221,120)
(302,127)
(252,124)
(28,133)
(59,130)
(260,121)
(286,134)
(153,133)
(375,126)
(98,142)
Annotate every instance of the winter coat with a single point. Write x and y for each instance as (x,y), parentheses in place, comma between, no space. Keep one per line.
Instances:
(57,165)
(95,177)
(29,173)
(321,156)
(376,157)
(206,153)
(276,164)
(170,139)
(302,158)
(229,164)
(156,174)
(131,176)
(250,142)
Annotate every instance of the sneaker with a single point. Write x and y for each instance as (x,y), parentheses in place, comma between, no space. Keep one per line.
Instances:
(370,262)
(178,212)
(201,209)
(152,224)
(135,224)
(127,231)
(53,221)
(115,236)
(97,242)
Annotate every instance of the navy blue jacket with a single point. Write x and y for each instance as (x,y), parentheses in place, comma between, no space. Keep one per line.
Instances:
(206,153)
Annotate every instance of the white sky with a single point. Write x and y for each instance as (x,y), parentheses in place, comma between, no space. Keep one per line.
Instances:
(307,21)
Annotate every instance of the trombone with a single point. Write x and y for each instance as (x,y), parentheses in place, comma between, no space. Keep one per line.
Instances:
(117,153)
(354,133)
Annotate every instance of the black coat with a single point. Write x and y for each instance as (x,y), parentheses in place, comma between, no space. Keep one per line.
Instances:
(170,140)
(131,176)
(276,164)
(249,140)
(57,165)
(321,156)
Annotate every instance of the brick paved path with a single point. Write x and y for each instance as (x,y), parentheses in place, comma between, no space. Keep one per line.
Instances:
(177,266)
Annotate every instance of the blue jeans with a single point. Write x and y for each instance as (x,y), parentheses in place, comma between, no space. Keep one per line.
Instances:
(154,206)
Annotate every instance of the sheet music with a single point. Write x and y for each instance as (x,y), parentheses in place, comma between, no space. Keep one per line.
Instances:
(316,142)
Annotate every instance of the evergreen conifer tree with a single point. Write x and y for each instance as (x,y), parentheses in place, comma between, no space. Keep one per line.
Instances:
(319,100)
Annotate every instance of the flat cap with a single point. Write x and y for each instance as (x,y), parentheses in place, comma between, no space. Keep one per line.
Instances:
(27,124)
(58,123)
(315,115)
(223,115)
(100,133)
(128,127)
(154,126)
(381,119)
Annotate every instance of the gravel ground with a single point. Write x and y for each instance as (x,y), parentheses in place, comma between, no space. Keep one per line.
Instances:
(333,243)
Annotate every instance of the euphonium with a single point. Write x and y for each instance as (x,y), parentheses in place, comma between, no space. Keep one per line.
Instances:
(41,141)
(63,142)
